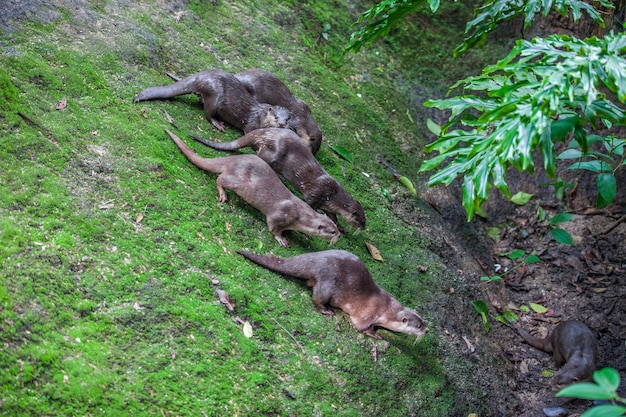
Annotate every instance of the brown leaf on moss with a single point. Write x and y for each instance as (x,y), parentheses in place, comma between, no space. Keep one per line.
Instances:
(374,252)
(223,296)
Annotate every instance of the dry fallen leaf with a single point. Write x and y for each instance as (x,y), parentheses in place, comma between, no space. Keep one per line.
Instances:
(469,344)
(247,329)
(107,205)
(143,112)
(223,296)
(62,104)
(139,218)
(170,120)
(374,251)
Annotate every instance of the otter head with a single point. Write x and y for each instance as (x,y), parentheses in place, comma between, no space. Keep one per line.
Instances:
(355,215)
(327,229)
(408,321)
(277,116)
(344,205)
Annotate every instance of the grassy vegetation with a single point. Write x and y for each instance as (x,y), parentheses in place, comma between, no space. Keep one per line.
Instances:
(110,239)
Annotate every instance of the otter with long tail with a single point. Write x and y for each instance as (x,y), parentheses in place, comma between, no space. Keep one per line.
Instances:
(283,150)
(339,279)
(224,99)
(255,182)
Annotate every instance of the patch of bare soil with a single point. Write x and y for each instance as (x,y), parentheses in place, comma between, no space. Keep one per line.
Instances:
(584,281)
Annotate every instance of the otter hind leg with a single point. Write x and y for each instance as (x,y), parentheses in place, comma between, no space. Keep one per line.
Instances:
(221,190)
(321,301)
(210,107)
(371,331)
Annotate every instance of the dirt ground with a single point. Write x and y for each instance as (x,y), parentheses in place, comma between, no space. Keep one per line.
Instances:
(584,281)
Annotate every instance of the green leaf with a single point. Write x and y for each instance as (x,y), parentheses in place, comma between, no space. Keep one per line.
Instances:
(570,154)
(510,316)
(606,188)
(521,198)
(342,152)
(605,410)
(562,236)
(480,306)
(494,233)
(607,377)
(524,309)
(587,391)
(493,278)
(560,128)
(483,310)
(386,194)
(516,254)
(593,166)
(407,183)
(532,259)
(560,218)
(433,127)
(538,308)
(434,5)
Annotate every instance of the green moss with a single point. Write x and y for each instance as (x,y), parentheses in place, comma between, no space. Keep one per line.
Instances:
(110,238)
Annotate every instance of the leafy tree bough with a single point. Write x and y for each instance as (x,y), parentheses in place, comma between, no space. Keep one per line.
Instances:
(544,91)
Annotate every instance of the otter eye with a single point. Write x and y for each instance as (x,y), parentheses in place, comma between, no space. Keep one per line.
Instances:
(405,320)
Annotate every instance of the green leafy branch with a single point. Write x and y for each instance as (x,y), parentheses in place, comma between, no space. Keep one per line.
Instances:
(603,163)
(507,317)
(495,12)
(545,90)
(607,381)
(515,255)
(381,18)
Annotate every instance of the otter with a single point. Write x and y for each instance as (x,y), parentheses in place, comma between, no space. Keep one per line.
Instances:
(283,150)
(224,99)
(254,181)
(341,280)
(265,87)
(574,347)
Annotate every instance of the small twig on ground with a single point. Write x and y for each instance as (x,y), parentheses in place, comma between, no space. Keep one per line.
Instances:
(286,331)
(30,122)
(614,225)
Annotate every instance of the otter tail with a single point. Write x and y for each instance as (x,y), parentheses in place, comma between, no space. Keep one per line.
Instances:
(242,142)
(183,86)
(207,164)
(541,344)
(297,266)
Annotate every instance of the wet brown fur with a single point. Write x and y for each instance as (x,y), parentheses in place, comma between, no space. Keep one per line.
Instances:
(268,88)
(255,182)
(339,279)
(574,347)
(283,150)
(224,99)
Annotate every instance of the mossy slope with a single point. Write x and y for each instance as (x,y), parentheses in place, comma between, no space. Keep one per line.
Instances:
(109,238)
